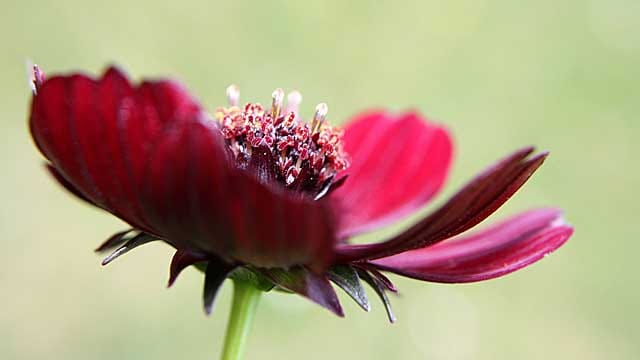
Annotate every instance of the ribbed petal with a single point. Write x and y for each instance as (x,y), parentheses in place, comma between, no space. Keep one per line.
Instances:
(474,203)
(199,203)
(494,252)
(67,185)
(398,163)
(152,157)
(98,134)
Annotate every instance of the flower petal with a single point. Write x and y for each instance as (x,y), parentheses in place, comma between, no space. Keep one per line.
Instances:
(402,156)
(98,134)
(199,201)
(497,251)
(472,204)
(67,185)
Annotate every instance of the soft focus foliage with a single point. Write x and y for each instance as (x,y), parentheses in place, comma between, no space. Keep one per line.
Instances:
(561,75)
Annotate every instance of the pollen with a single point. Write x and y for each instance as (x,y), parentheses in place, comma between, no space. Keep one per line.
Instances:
(302,156)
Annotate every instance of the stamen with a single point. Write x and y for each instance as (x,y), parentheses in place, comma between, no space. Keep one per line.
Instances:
(294,99)
(37,78)
(233,95)
(318,119)
(302,156)
(276,103)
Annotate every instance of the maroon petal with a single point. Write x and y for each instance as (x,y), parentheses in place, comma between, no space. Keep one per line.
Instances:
(200,202)
(301,281)
(472,204)
(494,252)
(98,134)
(67,185)
(401,156)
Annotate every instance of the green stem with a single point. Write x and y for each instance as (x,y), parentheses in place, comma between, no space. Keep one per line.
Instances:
(245,302)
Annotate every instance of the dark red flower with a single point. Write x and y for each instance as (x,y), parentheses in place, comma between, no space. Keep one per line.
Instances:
(254,191)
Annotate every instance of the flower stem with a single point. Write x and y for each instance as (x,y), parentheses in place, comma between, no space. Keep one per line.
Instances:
(245,302)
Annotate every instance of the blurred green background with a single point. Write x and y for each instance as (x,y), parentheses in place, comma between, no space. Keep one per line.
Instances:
(501,74)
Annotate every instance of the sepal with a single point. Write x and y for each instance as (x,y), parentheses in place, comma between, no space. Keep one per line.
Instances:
(379,287)
(216,273)
(253,277)
(134,242)
(114,241)
(182,260)
(346,277)
(315,287)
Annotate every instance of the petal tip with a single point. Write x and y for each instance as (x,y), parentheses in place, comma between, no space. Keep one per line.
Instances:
(542,155)
(527,149)
(114,70)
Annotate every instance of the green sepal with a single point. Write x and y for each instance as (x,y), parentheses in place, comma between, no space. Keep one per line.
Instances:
(380,289)
(246,274)
(346,277)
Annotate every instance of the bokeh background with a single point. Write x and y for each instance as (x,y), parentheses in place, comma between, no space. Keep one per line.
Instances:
(563,75)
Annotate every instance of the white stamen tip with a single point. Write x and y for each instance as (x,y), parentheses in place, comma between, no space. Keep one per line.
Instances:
(35,76)
(278,101)
(278,96)
(233,95)
(321,113)
(294,99)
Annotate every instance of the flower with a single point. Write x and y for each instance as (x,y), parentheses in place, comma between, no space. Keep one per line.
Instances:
(257,192)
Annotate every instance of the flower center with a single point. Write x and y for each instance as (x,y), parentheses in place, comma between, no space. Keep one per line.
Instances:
(279,146)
